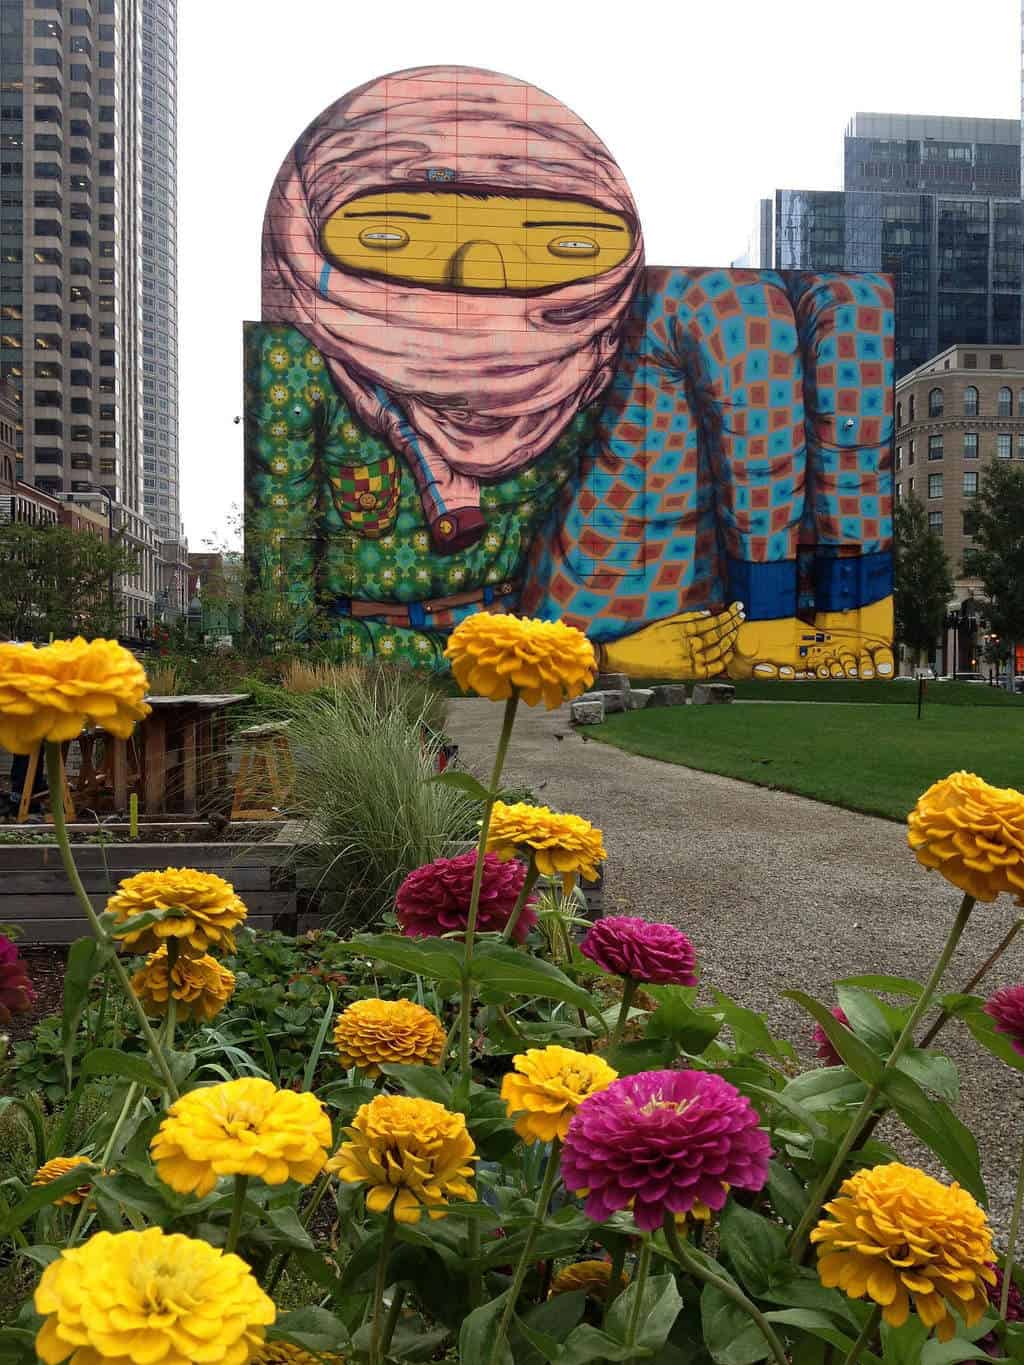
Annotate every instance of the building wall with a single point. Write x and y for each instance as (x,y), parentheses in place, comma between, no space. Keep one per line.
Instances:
(928,152)
(947,482)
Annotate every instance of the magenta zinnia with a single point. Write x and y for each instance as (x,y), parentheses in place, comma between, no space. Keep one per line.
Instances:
(656,954)
(434,900)
(662,1142)
(16,993)
(825,1050)
(1006,1009)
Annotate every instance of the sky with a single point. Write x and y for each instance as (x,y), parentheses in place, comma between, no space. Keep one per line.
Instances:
(707,107)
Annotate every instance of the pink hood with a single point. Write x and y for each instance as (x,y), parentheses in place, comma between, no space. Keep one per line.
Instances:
(467,386)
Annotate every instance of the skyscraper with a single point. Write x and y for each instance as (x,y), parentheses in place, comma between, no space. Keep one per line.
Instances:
(71,255)
(933,201)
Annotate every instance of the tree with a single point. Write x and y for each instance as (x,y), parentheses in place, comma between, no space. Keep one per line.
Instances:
(57,582)
(924,583)
(997,556)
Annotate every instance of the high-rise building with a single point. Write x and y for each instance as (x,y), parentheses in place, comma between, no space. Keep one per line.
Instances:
(76,83)
(936,203)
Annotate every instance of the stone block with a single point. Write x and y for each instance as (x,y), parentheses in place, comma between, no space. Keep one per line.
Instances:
(587,710)
(712,694)
(612,701)
(639,697)
(611,682)
(668,694)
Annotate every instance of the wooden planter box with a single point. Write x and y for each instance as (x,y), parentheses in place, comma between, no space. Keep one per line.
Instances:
(36,898)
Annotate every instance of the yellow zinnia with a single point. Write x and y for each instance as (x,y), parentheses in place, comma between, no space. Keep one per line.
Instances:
(55,1168)
(973,834)
(411,1154)
(53,692)
(561,845)
(209,910)
(246,1127)
(544,660)
(371,1032)
(284,1353)
(547,1086)
(898,1236)
(202,987)
(591,1277)
(150,1297)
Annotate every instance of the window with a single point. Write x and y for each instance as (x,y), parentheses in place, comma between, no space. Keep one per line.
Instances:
(899,458)
(898,490)
(970,523)
(910,487)
(995,362)
(48,426)
(970,483)
(935,522)
(970,401)
(970,445)
(913,405)
(1005,404)
(935,447)
(935,485)
(47,56)
(1004,445)
(899,414)
(970,361)
(1020,446)
(910,452)
(936,402)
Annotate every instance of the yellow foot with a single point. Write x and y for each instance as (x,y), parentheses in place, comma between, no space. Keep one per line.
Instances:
(850,644)
(694,644)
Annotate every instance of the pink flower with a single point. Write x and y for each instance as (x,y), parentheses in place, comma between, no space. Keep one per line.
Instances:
(1014,1310)
(1006,1008)
(661,1142)
(16,993)
(656,954)
(825,1050)
(434,900)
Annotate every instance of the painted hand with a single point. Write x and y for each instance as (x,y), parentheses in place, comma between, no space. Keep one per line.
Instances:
(840,644)
(694,644)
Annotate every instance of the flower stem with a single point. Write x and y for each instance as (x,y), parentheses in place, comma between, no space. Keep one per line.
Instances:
(1011,1245)
(976,979)
(866,1333)
(391,1322)
(108,1151)
(628,991)
(529,881)
(523,1264)
(234,1227)
(55,777)
(732,1291)
(305,1220)
(643,1265)
(172,1004)
(376,1331)
(822,1190)
(615,1277)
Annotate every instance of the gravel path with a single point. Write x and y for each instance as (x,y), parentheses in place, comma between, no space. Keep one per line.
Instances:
(774,890)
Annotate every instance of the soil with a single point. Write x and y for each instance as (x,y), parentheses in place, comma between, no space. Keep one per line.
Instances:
(45,967)
(215,831)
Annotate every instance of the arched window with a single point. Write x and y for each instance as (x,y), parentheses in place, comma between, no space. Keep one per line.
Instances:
(1020,403)
(899,411)
(936,403)
(970,401)
(1005,408)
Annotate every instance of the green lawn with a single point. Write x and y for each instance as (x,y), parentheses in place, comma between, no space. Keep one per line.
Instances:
(870,758)
(879,693)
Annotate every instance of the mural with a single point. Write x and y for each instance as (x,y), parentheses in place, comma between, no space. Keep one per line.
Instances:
(469,392)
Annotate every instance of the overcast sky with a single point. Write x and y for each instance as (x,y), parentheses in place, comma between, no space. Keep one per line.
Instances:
(706,104)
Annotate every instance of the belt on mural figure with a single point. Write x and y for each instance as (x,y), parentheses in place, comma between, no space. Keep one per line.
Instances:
(437,611)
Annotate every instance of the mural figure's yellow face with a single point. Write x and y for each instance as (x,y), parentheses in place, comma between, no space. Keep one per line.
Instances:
(460,241)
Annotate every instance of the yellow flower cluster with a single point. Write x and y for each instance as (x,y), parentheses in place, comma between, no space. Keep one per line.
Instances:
(973,833)
(562,845)
(52,692)
(411,1155)
(372,1032)
(547,1086)
(543,660)
(900,1237)
(210,910)
(593,1278)
(201,986)
(150,1297)
(53,1170)
(245,1127)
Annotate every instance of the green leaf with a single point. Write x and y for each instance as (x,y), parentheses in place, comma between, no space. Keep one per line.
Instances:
(134,1193)
(867,1018)
(857,1055)
(285,1221)
(788,1196)
(587,1343)
(645,1054)
(932,1071)
(676,1019)
(902,1345)
(515,972)
(78,975)
(39,1196)
(983,1028)
(421,1082)
(749,1030)
(313,1060)
(826,1088)
(765,1099)
(755,1247)
(950,1352)
(891,985)
(440,959)
(119,928)
(108,1061)
(729,1334)
(936,1125)
(39,1255)
(819,1325)
(659,1307)
(314,1329)
(30,1109)
(454,777)
(17,1346)
(479,1329)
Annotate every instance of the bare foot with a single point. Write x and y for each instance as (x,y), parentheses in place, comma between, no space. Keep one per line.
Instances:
(854,644)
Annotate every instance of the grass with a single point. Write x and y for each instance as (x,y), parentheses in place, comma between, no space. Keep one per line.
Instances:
(877,693)
(867,758)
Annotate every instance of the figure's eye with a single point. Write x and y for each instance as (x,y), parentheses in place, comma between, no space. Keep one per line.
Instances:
(384,238)
(573,247)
